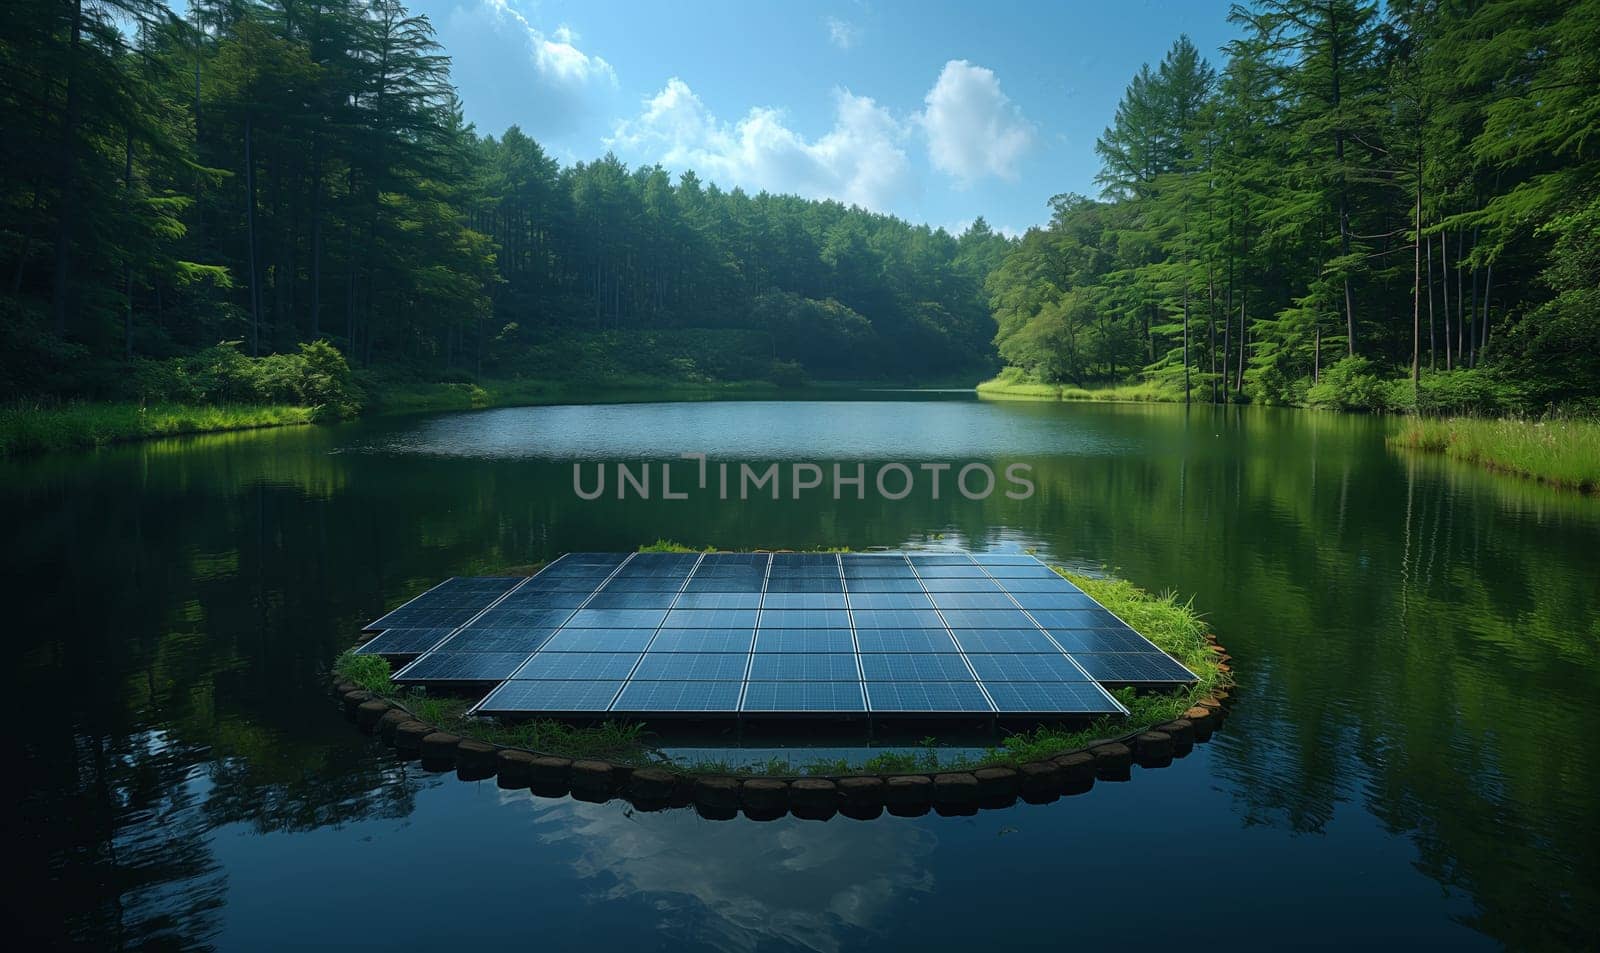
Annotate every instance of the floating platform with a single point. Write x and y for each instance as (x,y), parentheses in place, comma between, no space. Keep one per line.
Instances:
(774,635)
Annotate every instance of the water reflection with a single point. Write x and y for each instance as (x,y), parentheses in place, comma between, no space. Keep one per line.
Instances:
(736,885)
(1420,644)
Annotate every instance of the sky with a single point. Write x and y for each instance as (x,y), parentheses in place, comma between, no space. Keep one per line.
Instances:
(937,112)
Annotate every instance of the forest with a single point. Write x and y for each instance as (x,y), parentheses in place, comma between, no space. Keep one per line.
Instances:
(181,194)
(1384,208)
(1364,206)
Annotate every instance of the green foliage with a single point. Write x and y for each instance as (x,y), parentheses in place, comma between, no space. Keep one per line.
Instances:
(1350,384)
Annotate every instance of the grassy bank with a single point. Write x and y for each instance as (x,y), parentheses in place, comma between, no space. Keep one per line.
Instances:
(1172,625)
(1012,387)
(1560,452)
(36,428)
(412,397)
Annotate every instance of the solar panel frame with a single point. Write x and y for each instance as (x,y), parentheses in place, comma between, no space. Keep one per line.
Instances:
(900,634)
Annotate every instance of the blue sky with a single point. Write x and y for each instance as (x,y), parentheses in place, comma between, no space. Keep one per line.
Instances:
(937,112)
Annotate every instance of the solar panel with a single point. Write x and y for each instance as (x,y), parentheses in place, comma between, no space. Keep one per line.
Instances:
(804,697)
(579,665)
(665,697)
(804,640)
(703,640)
(404,641)
(804,667)
(1033,697)
(462,667)
(935,634)
(566,697)
(926,697)
(1025,667)
(692,666)
(1134,668)
(915,667)
(524,640)
(905,640)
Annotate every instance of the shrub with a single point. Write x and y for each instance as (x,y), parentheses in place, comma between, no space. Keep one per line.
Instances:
(1351,384)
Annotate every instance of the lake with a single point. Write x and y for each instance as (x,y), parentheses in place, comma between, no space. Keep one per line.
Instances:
(1413,757)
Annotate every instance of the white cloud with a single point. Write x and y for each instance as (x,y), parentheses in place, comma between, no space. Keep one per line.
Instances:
(973,129)
(555,55)
(861,160)
(843,33)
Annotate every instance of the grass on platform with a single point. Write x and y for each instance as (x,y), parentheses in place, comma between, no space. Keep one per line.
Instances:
(39,427)
(1559,452)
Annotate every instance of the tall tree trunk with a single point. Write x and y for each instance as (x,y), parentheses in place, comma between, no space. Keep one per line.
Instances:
(1244,302)
(1433,357)
(61,284)
(250,235)
(1444,287)
(1416,290)
(1211,329)
(1186,342)
(1483,339)
(127,266)
(316,237)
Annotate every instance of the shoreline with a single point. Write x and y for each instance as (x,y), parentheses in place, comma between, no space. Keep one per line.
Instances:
(30,431)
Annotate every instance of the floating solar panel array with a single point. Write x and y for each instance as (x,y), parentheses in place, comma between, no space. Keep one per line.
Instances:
(755,634)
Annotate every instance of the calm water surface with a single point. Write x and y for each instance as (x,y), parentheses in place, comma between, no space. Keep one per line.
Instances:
(1413,759)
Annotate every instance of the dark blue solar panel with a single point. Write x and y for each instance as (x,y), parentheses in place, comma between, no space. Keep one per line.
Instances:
(884,584)
(1021,572)
(721,584)
(632,600)
(599,640)
(521,618)
(803,667)
(804,640)
(804,600)
(646,697)
(889,600)
(698,666)
(1054,600)
(804,619)
(944,667)
(404,641)
(544,599)
(939,559)
(905,640)
(986,618)
(810,696)
(1025,667)
(1004,640)
(579,665)
(896,618)
(617,619)
(524,640)
(972,600)
(673,633)
(1075,618)
(1102,640)
(462,667)
(806,584)
(1050,697)
(1134,668)
(703,640)
(550,696)
(420,618)
(974,584)
(719,600)
(951,572)
(710,619)
(926,697)
(1053,584)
